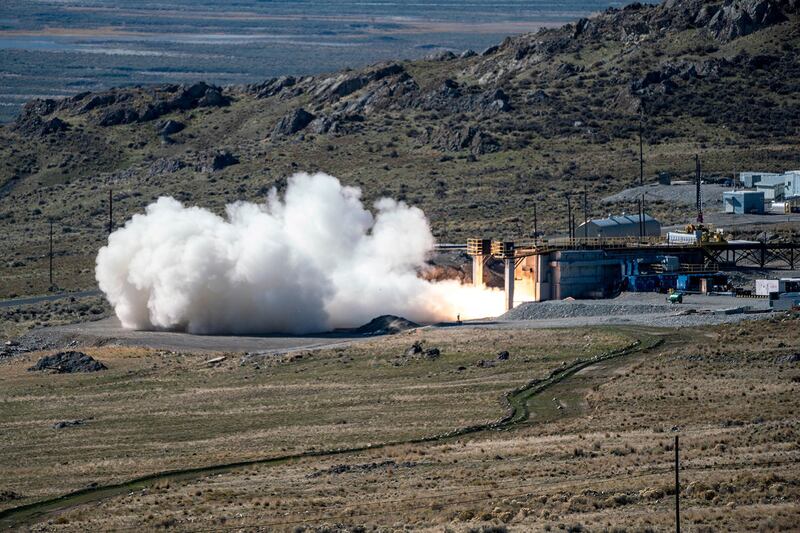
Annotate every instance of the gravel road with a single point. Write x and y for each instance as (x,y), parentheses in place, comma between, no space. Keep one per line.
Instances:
(647,309)
(628,309)
(15,302)
(109,332)
(672,194)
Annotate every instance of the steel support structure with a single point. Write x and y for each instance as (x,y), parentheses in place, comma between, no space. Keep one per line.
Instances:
(509,267)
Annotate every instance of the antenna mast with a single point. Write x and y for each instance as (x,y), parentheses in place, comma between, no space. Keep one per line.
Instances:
(699,197)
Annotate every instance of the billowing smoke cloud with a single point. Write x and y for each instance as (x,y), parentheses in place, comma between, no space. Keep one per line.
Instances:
(314,260)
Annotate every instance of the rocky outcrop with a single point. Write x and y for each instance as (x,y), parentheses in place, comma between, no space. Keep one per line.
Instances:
(663,80)
(170,127)
(117,116)
(33,125)
(68,363)
(388,92)
(102,100)
(126,106)
(739,18)
(215,160)
(441,55)
(165,166)
(194,96)
(469,138)
(53,125)
(293,122)
(453,98)
(337,87)
(271,87)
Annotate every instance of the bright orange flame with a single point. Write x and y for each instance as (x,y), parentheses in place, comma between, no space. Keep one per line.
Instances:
(467,301)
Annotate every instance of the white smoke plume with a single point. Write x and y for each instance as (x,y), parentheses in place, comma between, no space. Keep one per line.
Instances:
(312,261)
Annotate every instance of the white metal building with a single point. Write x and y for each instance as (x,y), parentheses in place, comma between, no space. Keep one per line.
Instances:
(619,226)
(750,179)
(791,183)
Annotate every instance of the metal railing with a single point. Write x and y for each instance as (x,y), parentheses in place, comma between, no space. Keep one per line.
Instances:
(565,243)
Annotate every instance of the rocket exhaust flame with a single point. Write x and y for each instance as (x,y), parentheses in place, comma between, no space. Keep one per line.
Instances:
(313,260)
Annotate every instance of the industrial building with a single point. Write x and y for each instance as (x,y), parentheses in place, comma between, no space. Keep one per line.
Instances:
(770,190)
(791,184)
(742,202)
(620,226)
(750,179)
(764,287)
(775,186)
(554,269)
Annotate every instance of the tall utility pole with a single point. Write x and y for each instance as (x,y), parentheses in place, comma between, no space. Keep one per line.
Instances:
(639,208)
(110,211)
(572,223)
(585,214)
(641,149)
(677,489)
(641,218)
(697,181)
(51,255)
(569,216)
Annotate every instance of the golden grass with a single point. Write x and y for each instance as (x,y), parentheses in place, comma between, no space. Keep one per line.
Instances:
(603,462)
(154,411)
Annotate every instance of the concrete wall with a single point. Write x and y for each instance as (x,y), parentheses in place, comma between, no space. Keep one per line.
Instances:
(559,275)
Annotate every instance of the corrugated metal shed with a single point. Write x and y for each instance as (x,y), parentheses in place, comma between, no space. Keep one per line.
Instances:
(620,226)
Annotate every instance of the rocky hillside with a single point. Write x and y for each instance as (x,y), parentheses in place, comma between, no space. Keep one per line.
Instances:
(472,138)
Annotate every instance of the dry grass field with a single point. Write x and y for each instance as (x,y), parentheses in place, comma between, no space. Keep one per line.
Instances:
(596,454)
(154,411)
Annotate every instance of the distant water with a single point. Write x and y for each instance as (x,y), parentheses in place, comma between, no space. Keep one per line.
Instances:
(62,47)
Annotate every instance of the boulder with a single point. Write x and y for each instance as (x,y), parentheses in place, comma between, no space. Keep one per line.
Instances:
(68,363)
(465,137)
(441,55)
(293,122)
(272,86)
(432,353)
(98,100)
(9,495)
(386,325)
(53,125)
(221,159)
(170,126)
(323,124)
(414,349)
(213,98)
(392,69)
(69,423)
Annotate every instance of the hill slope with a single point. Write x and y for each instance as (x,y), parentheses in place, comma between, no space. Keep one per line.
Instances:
(473,140)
